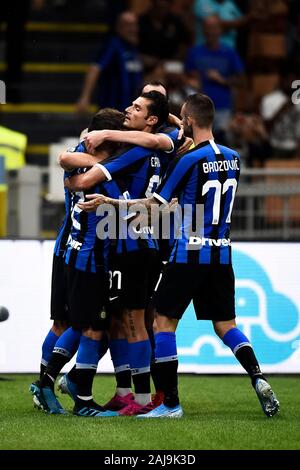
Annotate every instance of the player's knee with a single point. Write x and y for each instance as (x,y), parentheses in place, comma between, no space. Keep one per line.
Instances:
(59,326)
(117,329)
(93,334)
(221,328)
(164,324)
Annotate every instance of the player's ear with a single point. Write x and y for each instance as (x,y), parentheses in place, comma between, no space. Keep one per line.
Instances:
(189,121)
(152,120)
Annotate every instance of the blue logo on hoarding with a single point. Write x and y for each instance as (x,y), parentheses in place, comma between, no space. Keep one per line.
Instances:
(268,318)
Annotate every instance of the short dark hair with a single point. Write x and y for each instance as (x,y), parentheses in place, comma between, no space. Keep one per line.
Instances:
(107,118)
(201,108)
(158,106)
(156,83)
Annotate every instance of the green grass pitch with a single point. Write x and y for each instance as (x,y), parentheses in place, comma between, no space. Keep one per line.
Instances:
(220,413)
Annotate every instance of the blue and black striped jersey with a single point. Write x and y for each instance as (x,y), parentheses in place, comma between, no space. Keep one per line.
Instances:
(205,180)
(63,234)
(141,171)
(165,245)
(167,157)
(85,250)
(138,167)
(64,231)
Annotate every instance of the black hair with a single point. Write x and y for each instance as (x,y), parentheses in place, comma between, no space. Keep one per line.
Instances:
(158,106)
(201,108)
(155,83)
(107,118)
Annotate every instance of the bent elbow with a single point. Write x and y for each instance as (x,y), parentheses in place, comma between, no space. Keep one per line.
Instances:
(62,160)
(157,143)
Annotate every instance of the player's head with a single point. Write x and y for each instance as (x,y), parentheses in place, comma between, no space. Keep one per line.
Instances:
(107,118)
(197,112)
(155,85)
(127,27)
(148,112)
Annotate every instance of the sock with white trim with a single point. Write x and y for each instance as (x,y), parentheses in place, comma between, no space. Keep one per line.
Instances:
(87,360)
(139,357)
(120,358)
(63,351)
(242,349)
(47,349)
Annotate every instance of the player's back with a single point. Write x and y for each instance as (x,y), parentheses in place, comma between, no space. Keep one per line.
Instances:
(64,231)
(86,250)
(138,167)
(207,195)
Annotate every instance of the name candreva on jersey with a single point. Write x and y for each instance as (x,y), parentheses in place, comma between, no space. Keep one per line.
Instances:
(221,165)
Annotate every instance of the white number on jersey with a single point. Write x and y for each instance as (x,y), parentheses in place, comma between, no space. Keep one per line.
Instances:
(219,190)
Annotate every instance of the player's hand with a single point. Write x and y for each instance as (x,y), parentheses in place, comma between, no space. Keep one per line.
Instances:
(95,201)
(93,139)
(72,182)
(185,146)
(174,202)
(174,120)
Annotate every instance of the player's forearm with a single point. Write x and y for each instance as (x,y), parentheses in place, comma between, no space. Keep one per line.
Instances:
(93,201)
(123,203)
(70,160)
(128,203)
(142,139)
(83,182)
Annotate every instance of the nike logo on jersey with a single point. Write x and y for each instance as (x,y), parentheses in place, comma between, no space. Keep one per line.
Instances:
(113,298)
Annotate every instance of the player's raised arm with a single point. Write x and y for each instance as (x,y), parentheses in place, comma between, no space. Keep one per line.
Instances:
(143,139)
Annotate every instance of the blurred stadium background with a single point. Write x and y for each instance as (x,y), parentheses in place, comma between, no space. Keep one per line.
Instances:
(42,116)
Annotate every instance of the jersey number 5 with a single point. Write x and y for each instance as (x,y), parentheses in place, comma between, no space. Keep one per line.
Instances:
(154,179)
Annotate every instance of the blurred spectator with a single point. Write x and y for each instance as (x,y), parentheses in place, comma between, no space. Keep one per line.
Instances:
(119,69)
(293,28)
(163,35)
(15,14)
(87,11)
(230,16)
(248,134)
(218,69)
(282,118)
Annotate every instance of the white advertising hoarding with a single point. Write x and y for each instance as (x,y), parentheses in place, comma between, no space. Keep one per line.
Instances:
(267,307)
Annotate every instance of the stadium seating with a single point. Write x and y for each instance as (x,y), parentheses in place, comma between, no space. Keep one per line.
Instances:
(57,52)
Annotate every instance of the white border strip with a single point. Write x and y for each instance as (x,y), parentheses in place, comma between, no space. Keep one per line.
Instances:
(105,171)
